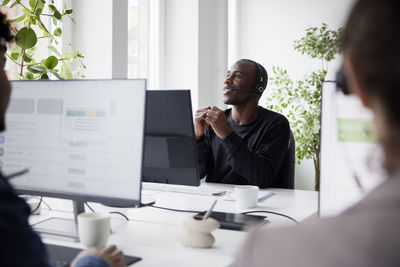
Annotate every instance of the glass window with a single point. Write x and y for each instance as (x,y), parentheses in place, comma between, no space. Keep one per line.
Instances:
(138,38)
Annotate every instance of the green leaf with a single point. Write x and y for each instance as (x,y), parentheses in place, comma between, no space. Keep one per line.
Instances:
(57,15)
(54,50)
(42,27)
(57,32)
(26,38)
(38,11)
(15,56)
(29,76)
(68,11)
(14,4)
(51,62)
(5,2)
(44,76)
(36,69)
(32,3)
(18,19)
(53,8)
(27,58)
(54,72)
(65,71)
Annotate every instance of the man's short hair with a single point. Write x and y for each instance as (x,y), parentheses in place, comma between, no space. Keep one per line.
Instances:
(372,40)
(261,75)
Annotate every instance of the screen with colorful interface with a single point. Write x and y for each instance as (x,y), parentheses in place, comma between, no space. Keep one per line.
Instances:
(351,159)
(79,139)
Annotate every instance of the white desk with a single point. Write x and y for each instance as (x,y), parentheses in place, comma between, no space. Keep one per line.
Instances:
(151,233)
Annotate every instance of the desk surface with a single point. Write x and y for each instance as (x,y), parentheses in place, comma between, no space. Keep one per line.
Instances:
(151,233)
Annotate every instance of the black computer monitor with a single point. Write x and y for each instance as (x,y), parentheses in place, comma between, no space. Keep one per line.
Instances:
(170,154)
(80,140)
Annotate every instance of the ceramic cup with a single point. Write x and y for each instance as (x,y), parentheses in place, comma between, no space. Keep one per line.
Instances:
(94,229)
(246,196)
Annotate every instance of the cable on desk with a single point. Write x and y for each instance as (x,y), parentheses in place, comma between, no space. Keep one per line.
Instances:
(112,212)
(163,208)
(271,212)
(38,206)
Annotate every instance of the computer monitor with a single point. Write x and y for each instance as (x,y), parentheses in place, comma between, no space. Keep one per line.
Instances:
(351,159)
(170,154)
(80,139)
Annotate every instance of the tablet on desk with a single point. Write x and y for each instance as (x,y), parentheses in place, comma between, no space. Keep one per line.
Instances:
(236,221)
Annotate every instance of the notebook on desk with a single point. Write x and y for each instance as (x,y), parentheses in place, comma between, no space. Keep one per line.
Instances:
(61,256)
(236,221)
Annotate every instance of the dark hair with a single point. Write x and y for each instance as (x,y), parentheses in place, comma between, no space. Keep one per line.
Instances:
(261,74)
(372,40)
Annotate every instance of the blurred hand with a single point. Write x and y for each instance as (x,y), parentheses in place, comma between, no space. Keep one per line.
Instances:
(218,121)
(113,256)
(200,123)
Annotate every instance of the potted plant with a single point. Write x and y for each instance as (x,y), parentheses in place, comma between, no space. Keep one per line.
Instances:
(28,28)
(300,101)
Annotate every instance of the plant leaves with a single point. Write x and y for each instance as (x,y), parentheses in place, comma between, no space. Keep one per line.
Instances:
(54,50)
(65,71)
(42,27)
(58,32)
(15,55)
(54,72)
(14,4)
(5,2)
(51,62)
(18,19)
(36,69)
(32,3)
(44,76)
(68,11)
(57,15)
(26,38)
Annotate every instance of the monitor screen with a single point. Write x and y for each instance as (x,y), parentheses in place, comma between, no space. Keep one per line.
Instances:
(351,160)
(170,154)
(80,140)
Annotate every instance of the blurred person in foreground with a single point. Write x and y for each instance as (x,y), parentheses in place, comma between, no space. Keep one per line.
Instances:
(20,245)
(367,234)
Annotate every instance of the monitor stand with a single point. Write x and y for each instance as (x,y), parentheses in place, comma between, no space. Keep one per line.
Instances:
(62,227)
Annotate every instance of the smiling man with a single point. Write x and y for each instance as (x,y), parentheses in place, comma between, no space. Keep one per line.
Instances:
(246,144)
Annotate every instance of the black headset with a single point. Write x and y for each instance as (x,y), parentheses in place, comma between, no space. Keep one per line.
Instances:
(262,79)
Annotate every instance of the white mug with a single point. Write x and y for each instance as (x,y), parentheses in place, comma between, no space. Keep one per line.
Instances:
(94,229)
(246,196)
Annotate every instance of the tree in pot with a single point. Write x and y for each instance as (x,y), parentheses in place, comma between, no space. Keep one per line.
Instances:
(300,101)
(28,28)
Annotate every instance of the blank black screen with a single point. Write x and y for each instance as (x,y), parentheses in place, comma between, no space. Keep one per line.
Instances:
(169,145)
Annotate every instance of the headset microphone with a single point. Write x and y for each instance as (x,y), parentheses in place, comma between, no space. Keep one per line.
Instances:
(234,89)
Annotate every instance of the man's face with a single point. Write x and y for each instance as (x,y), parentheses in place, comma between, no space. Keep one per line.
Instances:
(241,76)
(5,90)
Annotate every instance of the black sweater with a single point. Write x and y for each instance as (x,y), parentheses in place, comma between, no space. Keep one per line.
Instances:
(251,154)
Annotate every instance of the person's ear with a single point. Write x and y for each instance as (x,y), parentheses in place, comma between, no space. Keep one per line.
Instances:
(365,97)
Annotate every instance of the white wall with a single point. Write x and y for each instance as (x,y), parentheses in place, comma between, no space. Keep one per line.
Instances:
(180,70)
(267,29)
(92,36)
(213,54)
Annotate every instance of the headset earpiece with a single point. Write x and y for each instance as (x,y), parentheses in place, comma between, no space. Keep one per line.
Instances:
(259,88)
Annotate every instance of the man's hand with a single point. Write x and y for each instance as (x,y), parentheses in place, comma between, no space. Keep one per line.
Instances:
(200,123)
(113,256)
(218,121)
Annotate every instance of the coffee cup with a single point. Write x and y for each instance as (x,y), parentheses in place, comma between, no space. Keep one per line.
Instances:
(246,196)
(94,229)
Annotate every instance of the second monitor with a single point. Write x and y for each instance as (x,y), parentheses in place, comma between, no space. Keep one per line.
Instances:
(170,147)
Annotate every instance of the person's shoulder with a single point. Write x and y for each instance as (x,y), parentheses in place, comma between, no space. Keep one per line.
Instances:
(272,116)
